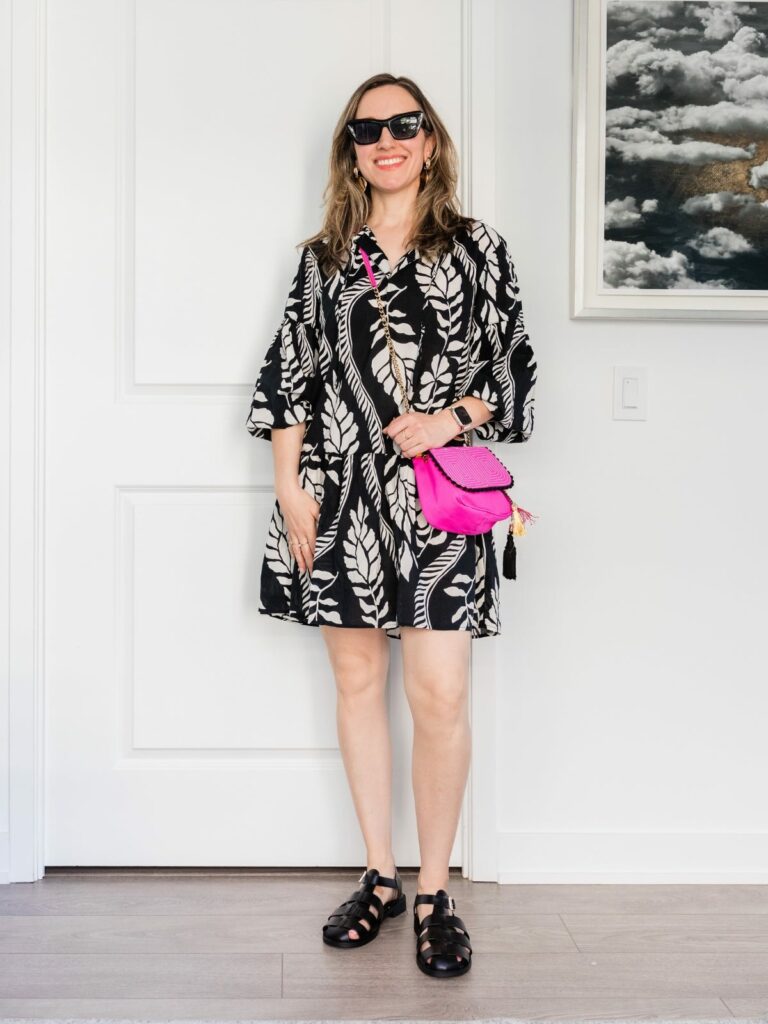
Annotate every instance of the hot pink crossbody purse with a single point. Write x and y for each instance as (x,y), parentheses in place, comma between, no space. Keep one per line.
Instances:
(461,489)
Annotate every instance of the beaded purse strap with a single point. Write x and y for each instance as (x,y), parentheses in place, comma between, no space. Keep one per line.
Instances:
(385,322)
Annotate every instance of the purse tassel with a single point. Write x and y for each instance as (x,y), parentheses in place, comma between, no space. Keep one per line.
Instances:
(509,561)
(516,529)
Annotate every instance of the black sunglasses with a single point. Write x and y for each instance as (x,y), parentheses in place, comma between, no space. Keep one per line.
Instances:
(366,130)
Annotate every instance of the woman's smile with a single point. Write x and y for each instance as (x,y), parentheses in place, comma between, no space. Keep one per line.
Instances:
(386,162)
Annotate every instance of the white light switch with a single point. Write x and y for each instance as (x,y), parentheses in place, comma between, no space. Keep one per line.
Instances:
(629,392)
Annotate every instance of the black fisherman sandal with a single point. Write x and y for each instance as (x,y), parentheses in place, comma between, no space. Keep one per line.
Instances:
(446,937)
(364,905)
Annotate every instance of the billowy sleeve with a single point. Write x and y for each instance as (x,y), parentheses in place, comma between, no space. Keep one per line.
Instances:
(288,379)
(502,363)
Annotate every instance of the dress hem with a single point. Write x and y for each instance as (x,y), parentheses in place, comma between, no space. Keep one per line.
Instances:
(288,617)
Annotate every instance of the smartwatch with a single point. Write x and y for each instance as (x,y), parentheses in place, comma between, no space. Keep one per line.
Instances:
(462,417)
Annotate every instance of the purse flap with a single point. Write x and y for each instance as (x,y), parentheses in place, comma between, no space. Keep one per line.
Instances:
(473,467)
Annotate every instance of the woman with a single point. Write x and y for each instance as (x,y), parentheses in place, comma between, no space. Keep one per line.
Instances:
(349,549)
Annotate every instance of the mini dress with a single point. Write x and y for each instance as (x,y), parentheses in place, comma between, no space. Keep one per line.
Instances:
(457,327)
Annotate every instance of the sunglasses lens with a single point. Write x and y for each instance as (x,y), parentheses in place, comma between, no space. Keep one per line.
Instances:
(406,127)
(365,132)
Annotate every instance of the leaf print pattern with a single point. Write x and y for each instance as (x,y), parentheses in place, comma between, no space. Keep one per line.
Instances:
(360,396)
(457,327)
(404,342)
(371,474)
(504,371)
(323,607)
(362,560)
(436,380)
(342,479)
(460,590)
(400,495)
(339,425)
(278,555)
(285,391)
(432,579)
(446,295)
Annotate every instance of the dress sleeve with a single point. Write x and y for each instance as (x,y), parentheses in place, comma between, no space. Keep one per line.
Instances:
(288,380)
(502,365)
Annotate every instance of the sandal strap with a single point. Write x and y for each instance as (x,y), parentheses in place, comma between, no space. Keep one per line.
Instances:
(362,900)
(371,898)
(440,899)
(344,918)
(443,940)
(445,949)
(372,878)
(358,906)
(435,933)
(444,934)
(443,921)
(363,896)
(357,910)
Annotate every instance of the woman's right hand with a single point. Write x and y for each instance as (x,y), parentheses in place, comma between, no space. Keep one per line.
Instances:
(300,514)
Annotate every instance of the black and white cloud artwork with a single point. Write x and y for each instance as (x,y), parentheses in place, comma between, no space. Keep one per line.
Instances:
(686,162)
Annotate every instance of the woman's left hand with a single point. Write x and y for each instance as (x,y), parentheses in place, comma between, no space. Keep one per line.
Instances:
(414,432)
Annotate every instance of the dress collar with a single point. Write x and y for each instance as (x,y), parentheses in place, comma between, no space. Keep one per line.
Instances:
(367,239)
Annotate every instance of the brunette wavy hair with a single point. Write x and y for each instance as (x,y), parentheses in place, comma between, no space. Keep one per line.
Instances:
(347,207)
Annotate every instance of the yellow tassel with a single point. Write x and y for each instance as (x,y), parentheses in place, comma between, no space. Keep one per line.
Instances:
(518,526)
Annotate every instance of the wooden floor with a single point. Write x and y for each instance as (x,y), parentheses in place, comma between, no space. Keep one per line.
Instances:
(247,944)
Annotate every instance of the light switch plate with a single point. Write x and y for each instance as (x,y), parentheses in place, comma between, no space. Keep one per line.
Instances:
(630,392)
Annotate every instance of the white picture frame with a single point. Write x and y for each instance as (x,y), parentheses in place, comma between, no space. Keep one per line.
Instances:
(590,298)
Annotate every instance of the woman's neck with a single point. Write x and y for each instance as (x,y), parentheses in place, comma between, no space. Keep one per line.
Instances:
(393,211)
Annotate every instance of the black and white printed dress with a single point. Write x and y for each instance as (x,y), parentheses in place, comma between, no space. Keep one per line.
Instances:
(457,327)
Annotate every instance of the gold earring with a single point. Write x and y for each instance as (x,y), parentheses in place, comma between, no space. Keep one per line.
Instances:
(426,168)
(359,179)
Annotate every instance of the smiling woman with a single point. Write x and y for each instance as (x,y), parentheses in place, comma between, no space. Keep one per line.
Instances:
(349,548)
(390,159)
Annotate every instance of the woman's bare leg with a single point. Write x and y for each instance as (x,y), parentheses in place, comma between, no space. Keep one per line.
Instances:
(360,661)
(436,678)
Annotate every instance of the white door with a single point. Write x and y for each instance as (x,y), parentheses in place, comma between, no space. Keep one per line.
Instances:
(186,149)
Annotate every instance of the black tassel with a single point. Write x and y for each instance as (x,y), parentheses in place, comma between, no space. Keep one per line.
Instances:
(509,561)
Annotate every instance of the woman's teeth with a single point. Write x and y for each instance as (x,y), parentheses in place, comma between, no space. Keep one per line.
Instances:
(389,161)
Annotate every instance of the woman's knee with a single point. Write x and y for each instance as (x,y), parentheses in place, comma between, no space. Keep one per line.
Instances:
(438,699)
(436,673)
(359,659)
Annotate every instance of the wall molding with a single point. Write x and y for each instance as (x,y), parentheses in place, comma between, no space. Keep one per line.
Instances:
(633,858)
(132,756)
(478,199)
(5,423)
(26,694)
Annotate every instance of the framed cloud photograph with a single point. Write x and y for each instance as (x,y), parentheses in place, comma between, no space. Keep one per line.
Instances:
(670,159)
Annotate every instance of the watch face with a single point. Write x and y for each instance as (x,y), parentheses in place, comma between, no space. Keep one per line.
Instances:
(463,415)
